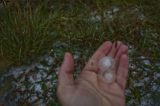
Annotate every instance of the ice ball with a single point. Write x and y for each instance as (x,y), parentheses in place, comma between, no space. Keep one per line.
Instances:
(105,63)
(109,76)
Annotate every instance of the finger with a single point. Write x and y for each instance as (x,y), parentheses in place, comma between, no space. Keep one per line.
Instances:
(100,52)
(103,50)
(115,47)
(65,76)
(123,49)
(122,71)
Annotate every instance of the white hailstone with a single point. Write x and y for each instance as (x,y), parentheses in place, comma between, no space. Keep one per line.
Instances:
(105,63)
(38,88)
(109,76)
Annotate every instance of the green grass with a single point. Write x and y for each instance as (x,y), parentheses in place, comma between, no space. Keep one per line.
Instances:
(28,31)
(25,33)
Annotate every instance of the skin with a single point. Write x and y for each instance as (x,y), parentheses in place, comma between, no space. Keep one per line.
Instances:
(91,88)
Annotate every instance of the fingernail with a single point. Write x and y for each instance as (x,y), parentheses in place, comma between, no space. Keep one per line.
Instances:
(66,54)
(65,57)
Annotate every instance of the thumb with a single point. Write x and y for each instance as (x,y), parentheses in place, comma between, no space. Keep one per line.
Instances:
(65,76)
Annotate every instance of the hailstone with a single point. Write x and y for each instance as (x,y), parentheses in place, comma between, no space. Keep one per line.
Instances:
(106,63)
(109,76)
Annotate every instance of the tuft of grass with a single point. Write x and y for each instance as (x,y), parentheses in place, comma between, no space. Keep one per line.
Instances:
(25,33)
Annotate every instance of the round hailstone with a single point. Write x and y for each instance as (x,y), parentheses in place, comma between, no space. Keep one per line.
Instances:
(105,63)
(109,76)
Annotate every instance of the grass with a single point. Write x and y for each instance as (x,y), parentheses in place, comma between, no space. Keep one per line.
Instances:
(25,34)
(28,30)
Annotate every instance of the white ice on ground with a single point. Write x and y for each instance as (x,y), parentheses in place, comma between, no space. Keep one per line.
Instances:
(38,88)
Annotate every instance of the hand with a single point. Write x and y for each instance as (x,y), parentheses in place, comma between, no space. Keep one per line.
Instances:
(91,88)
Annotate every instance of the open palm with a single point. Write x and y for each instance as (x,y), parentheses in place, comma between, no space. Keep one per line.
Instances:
(91,88)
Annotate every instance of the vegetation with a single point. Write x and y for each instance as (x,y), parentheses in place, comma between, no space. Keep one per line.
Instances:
(28,30)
